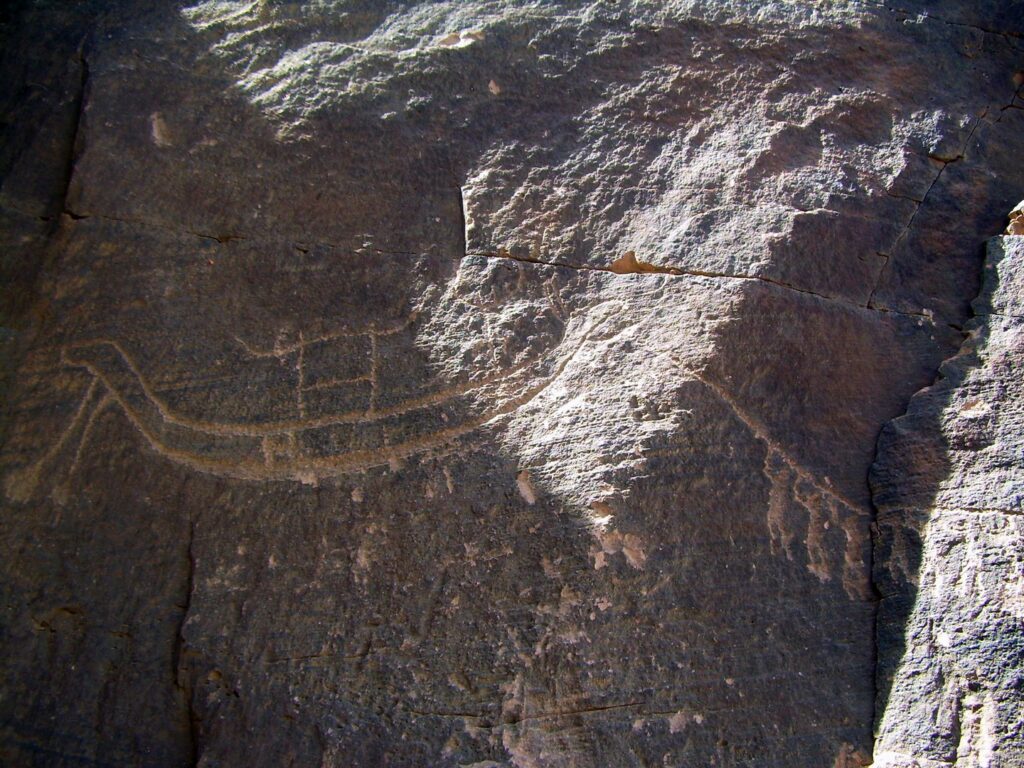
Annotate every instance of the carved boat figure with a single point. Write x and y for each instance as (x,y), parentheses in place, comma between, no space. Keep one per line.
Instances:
(307,447)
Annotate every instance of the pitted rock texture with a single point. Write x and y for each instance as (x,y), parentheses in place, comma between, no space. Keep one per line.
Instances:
(477,383)
(952,547)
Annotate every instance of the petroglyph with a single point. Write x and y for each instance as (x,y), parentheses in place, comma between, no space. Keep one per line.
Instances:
(22,483)
(281,349)
(305,448)
(823,508)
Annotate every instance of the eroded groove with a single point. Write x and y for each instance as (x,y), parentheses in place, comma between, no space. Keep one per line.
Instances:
(304,246)
(1008,37)
(180,675)
(146,224)
(75,131)
(678,271)
(891,251)
(961,155)
(528,718)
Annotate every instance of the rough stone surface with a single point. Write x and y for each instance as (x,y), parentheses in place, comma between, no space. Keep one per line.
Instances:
(497,383)
(949,483)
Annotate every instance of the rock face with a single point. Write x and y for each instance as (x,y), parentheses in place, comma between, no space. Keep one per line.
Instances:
(951,565)
(497,384)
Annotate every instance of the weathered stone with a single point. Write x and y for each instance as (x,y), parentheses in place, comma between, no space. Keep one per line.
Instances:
(950,488)
(488,383)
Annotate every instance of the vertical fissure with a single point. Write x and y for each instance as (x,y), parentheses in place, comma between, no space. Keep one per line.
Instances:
(75,134)
(180,675)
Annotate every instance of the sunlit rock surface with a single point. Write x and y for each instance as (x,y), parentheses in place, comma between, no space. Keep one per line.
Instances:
(953,546)
(495,383)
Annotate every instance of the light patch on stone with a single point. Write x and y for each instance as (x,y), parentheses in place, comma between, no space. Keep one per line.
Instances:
(632,548)
(615,542)
(567,600)
(974,409)
(159,131)
(978,727)
(494,88)
(600,515)
(357,495)
(462,39)
(526,489)
(611,542)
(849,757)
(307,477)
(683,718)
(363,560)
(549,568)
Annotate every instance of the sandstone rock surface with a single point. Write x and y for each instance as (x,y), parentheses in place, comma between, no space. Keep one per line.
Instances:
(952,551)
(497,383)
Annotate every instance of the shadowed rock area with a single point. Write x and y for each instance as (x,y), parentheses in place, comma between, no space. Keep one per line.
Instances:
(498,384)
(952,561)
